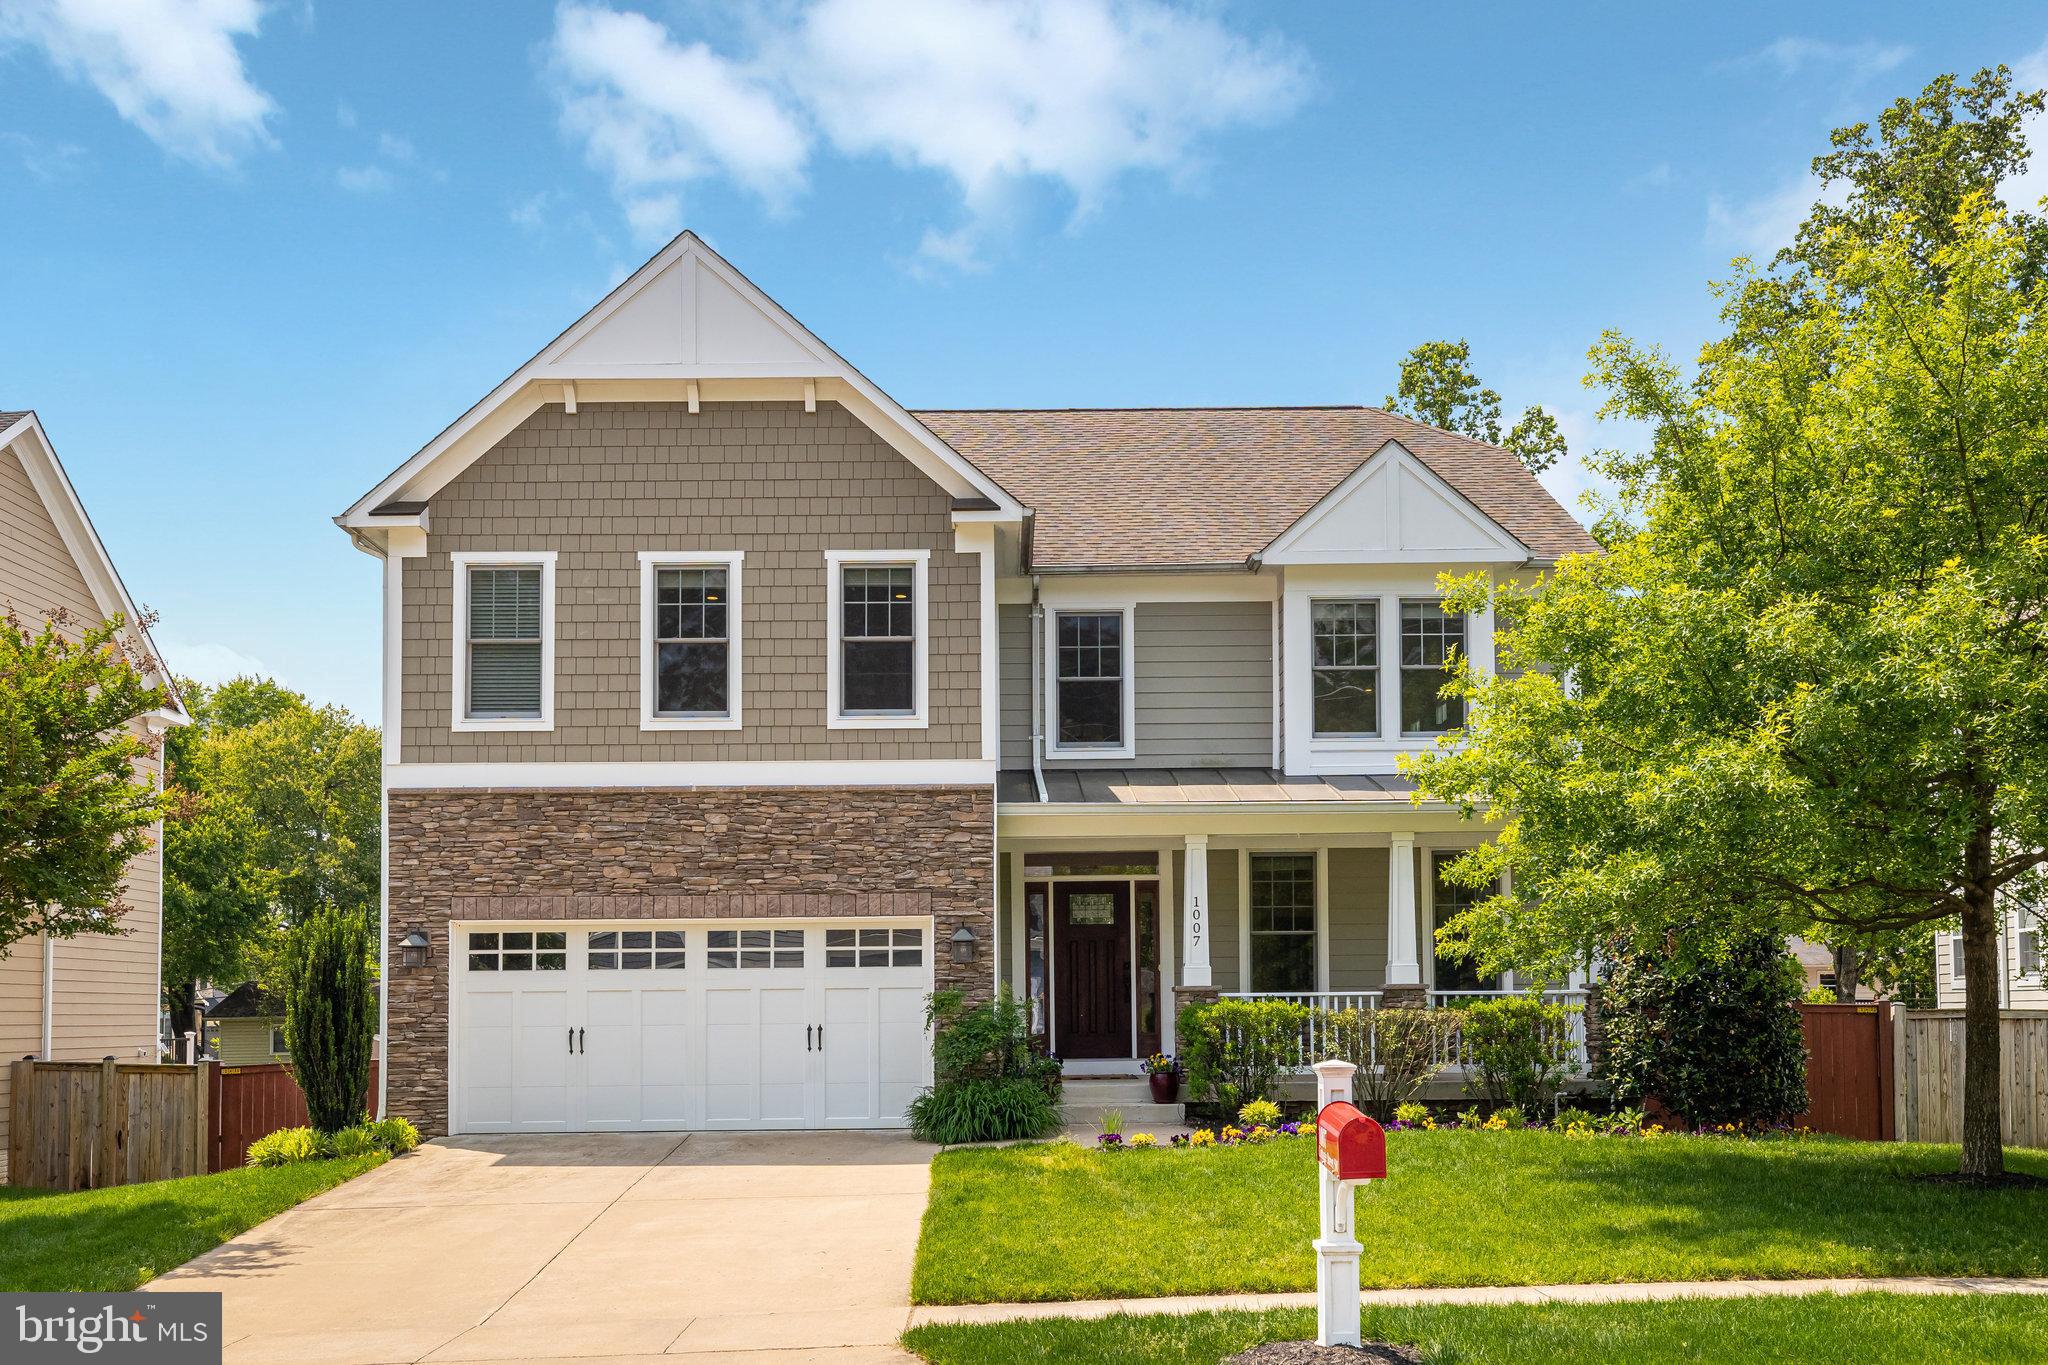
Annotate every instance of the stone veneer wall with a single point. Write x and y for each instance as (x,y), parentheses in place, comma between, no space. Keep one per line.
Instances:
(669,854)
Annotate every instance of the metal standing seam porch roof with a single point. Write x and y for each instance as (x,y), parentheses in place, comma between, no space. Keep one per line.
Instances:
(1191,786)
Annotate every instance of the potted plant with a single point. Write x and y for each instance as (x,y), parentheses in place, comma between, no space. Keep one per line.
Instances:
(1164,1074)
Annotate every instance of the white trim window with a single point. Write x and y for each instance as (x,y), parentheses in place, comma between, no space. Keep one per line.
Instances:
(1345,667)
(1955,957)
(1448,899)
(690,640)
(879,639)
(2027,952)
(278,1046)
(1282,901)
(504,648)
(1091,687)
(1430,637)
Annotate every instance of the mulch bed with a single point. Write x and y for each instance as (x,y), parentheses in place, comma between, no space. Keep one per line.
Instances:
(1308,1353)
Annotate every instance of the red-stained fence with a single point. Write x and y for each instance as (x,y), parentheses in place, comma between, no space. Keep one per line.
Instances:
(1849,1070)
(251,1101)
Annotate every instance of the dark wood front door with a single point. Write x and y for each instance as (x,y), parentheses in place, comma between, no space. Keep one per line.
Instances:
(1091,978)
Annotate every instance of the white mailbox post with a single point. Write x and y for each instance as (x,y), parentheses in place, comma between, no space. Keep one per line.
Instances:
(1337,1249)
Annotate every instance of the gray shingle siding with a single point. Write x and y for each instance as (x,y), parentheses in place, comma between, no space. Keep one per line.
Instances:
(774,481)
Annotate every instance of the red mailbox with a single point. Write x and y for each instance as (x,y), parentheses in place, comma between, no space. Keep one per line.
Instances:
(1350,1145)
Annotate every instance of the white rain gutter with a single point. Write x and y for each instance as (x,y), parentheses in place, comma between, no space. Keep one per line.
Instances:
(49,994)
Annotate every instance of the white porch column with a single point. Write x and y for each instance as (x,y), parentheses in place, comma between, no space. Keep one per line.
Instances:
(1194,970)
(1403,967)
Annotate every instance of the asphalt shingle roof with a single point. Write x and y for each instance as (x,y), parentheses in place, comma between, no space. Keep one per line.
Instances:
(1182,487)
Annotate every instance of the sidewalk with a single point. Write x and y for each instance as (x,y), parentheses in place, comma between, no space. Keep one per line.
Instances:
(1479,1294)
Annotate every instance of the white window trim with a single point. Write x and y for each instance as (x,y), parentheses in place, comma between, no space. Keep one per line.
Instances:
(1245,853)
(1352,742)
(650,562)
(461,562)
(919,561)
(1129,612)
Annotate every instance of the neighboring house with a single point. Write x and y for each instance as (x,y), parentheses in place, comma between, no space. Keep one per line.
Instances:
(249,1024)
(2022,939)
(731,708)
(94,995)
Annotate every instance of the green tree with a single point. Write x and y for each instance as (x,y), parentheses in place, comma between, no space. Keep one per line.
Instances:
(76,806)
(330,1015)
(1804,690)
(275,814)
(1437,386)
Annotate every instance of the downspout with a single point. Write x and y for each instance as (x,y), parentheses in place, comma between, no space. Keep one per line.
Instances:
(1038,692)
(49,994)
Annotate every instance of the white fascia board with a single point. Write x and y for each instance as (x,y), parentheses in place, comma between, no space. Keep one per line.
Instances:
(1236,585)
(1491,534)
(540,379)
(823,773)
(27,439)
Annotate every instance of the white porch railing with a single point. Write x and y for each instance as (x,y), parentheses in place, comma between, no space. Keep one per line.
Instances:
(1317,1043)
(1452,1054)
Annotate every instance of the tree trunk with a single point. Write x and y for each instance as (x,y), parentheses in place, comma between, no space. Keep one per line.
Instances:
(1983,1145)
(1848,972)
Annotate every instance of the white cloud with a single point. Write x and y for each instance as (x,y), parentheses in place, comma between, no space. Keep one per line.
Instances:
(210,663)
(345,114)
(392,147)
(365,179)
(170,67)
(1760,226)
(1791,58)
(46,161)
(2026,190)
(992,94)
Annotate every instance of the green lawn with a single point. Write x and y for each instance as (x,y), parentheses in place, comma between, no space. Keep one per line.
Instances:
(1059,1221)
(113,1240)
(1898,1329)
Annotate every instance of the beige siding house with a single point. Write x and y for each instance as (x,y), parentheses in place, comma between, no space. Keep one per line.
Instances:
(732,708)
(94,995)
(2022,979)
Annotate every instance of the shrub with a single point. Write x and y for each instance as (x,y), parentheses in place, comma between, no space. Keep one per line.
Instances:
(1258,1114)
(1520,1050)
(288,1146)
(990,1086)
(1396,1051)
(330,1014)
(395,1135)
(1414,1115)
(1571,1116)
(356,1141)
(1470,1118)
(1714,1038)
(1235,1050)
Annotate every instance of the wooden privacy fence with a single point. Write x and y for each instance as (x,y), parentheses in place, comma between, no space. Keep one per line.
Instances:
(250,1101)
(1849,1070)
(1928,1067)
(85,1125)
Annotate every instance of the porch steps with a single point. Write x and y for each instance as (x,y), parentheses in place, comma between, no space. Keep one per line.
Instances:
(1085,1099)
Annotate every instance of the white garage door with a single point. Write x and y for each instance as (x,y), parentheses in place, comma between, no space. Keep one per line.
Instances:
(692,1025)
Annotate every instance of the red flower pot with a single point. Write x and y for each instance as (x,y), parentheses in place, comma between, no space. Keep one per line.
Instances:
(1165,1086)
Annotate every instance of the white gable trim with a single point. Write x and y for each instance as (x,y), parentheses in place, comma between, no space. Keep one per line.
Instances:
(27,440)
(658,312)
(1490,543)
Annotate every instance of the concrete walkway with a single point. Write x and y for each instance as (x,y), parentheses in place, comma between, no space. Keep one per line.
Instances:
(758,1247)
(1478,1295)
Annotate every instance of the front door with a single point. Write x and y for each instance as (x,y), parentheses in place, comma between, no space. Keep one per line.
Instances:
(1091,979)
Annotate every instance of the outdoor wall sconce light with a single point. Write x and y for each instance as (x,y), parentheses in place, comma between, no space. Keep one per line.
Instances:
(413,949)
(964,944)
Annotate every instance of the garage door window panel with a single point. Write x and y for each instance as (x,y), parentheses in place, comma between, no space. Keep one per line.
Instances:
(519,951)
(874,948)
(752,949)
(636,950)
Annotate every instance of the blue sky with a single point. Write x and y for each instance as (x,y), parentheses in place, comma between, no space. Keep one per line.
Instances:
(255,255)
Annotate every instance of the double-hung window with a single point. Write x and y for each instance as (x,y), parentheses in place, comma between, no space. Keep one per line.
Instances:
(1430,637)
(504,645)
(877,665)
(1345,633)
(1446,900)
(1283,922)
(690,640)
(1089,678)
(2027,951)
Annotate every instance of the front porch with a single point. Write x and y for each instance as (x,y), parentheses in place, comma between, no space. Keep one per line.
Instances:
(1099,932)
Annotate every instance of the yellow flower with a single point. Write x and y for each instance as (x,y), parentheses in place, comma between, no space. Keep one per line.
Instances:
(1143,1140)
(1202,1137)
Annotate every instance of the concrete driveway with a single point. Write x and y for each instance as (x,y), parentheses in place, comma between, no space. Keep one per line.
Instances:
(756,1247)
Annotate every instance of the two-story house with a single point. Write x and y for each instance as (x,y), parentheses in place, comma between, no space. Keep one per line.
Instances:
(731,708)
